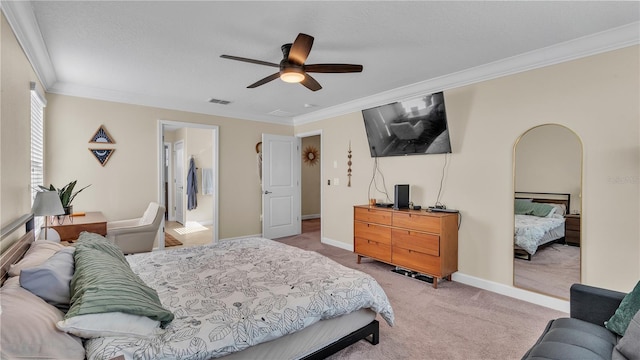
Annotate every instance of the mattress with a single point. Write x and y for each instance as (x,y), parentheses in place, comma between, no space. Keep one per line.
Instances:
(230,296)
(533,231)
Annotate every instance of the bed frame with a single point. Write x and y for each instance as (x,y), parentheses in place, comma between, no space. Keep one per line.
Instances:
(541,197)
(15,252)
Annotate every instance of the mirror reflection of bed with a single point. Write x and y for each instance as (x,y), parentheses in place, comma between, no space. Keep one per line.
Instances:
(547,205)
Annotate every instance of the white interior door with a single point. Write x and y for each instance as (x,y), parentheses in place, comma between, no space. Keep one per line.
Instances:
(280,186)
(178,180)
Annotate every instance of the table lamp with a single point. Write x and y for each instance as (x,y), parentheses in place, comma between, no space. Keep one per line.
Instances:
(47,203)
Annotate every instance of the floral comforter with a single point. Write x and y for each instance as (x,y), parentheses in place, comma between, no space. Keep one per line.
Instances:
(238,293)
(530,230)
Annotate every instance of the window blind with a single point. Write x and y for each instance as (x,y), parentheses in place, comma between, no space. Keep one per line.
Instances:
(37,147)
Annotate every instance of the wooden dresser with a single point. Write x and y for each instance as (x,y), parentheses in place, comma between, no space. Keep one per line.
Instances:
(416,240)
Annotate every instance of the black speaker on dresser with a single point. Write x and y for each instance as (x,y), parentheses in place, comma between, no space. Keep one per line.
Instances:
(401,197)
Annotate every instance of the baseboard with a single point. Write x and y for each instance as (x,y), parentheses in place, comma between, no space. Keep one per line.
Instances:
(338,244)
(520,294)
(310,216)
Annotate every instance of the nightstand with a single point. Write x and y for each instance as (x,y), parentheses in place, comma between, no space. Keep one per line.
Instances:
(572,229)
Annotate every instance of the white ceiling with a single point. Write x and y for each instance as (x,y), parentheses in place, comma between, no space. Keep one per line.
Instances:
(167,53)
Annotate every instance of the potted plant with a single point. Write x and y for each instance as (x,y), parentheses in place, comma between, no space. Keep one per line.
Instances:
(66,194)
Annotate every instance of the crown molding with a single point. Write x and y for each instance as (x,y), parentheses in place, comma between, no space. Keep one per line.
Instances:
(23,22)
(609,40)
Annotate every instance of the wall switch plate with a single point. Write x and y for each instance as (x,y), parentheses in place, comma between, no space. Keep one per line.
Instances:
(336,181)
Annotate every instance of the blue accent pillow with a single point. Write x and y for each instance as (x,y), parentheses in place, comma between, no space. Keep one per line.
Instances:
(51,280)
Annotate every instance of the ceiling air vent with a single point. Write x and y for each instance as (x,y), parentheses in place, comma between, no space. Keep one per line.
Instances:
(218,101)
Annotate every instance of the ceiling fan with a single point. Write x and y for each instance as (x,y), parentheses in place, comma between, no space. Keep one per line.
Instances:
(292,67)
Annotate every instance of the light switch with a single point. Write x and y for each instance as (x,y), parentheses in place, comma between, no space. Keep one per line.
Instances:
(336,181)
(335,164)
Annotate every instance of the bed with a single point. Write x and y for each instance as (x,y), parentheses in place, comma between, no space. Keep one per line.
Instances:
(239,299)
(539,221)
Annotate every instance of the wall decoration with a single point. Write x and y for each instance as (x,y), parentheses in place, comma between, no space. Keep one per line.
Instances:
(349,165)
(102,136)
(311,155)
(102,155)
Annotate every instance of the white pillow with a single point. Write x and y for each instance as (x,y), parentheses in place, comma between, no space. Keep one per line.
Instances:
(28,330)
(561,209)
(39,252)
(110,324)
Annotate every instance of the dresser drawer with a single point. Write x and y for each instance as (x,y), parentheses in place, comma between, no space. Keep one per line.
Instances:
(372,215)
(420,242)
(416,261)
(417,222)
(378,233)
(372,249)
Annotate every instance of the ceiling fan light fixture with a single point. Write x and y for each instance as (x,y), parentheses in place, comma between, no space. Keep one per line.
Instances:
(292,76)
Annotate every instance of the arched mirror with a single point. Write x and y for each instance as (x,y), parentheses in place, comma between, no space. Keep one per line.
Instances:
(547,171)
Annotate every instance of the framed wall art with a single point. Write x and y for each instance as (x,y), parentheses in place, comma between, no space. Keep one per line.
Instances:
(102,155)
(102,136)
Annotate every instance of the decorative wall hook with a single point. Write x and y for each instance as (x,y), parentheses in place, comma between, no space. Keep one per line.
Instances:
(349,165)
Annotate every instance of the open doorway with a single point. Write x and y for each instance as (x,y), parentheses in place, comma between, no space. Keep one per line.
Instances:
(311,182)
(188,183)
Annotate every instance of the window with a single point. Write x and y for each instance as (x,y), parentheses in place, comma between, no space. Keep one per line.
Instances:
(38,103)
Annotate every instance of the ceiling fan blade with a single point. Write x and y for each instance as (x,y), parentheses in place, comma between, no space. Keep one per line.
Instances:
(259,62)
(264,81)
(300,49)
(333,68)
(310,83)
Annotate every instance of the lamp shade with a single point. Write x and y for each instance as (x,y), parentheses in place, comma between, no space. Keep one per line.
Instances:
(47,203)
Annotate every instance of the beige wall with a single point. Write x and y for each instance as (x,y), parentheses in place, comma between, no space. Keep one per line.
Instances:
(310,175)
(597,97)
(129,181)
(15,128)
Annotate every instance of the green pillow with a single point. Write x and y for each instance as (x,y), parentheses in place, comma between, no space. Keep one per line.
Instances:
(625,312)
(523,207)
(104,282)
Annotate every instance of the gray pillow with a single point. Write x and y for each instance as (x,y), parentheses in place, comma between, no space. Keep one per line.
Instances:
(629,345)
(51,280)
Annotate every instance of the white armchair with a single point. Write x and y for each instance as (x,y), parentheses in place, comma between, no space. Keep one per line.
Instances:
(137,235)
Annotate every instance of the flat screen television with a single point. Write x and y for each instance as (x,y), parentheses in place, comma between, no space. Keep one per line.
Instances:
(411,127)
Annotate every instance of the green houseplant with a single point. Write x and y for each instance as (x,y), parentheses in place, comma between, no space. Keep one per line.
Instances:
(66,194)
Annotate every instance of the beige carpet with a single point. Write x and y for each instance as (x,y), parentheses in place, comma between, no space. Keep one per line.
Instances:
(169,240)
(552,270)
(455,321)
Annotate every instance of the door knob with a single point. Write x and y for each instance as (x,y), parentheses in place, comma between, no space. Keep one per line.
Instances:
(266,192)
